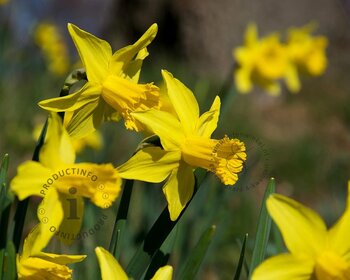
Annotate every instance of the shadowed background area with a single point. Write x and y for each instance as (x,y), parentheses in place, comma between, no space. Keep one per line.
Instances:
(303,140)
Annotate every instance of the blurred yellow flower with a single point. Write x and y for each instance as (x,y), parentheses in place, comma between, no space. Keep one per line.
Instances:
(260,61)
(93,140)
(112,84)
(307,52)
(315,252)
(187,144)
(49,39)
(43,265)
(111,269)
(3,2)
(63,184)
(267,61)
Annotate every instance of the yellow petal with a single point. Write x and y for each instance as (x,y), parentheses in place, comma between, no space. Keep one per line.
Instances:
(164,273)
(61,259)
(110,268)
(29,241)
(184,102)
(100,183)
(40,269)
(30,179)
(150,164)
(178,190)
(292,79)
(339,234)
(73,209)
(94,53)
(243,80)
(122,62)
(86,120)
(208,121)
(57,148)
(284,267)
(89,93)
(50,214)
(163,124)
(303,230)
(251,35)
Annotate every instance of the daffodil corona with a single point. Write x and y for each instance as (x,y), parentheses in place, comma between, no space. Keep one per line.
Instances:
(112,89)
(187,144)
(62,184)
(314,252)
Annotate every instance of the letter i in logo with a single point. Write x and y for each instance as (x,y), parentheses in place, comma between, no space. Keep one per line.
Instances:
(73,209)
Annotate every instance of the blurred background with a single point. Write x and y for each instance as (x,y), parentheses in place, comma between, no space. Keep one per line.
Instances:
(303,140)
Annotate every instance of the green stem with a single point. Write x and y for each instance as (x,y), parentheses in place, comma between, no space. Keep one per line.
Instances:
(22,206)
(120,221)
(157,235)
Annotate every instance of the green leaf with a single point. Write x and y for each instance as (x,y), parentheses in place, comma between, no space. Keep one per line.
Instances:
(5,196)
(8,262)
(196,257)
(161,257)
(120,222)
(241,259)
(263,231)
(157,235)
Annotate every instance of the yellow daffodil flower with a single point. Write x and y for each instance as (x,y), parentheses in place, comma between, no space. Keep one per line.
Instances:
(263,62)
(93,140)
(314,252)
(112,84)
(186,142)
(43,266)
(307,52)
(49,39)
(111,269)
(63,184)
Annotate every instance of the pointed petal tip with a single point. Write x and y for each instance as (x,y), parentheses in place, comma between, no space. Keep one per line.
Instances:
(166,74)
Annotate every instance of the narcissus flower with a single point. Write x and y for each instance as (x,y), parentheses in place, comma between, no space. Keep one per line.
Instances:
(314,252)
(92,140)
(111,269)
(187,144)
(263,62)
(112,84)
(307,52)
(63,184)
(42,266)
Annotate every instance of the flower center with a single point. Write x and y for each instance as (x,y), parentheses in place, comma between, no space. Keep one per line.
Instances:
(271,60)
(223,157)
(126,96)
(330,266)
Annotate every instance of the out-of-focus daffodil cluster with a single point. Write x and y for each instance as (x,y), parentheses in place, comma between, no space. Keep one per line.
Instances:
(50,40)
(268,60)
